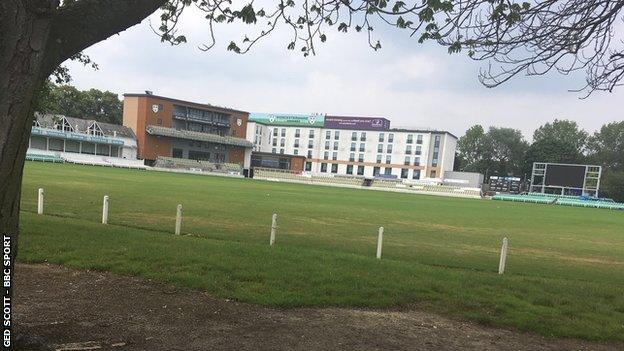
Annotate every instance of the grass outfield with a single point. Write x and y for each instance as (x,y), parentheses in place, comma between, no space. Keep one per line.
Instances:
(565,268)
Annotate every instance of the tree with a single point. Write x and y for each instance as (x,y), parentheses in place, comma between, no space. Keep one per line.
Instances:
(473,150)
(606,147)
(561,141)
(37,36)
(102,106)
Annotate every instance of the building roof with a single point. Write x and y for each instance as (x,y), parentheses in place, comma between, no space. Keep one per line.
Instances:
(197,136)
(432,131)
(184,102)
(81,125)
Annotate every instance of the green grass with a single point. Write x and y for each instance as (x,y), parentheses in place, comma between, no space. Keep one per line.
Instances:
(565,268)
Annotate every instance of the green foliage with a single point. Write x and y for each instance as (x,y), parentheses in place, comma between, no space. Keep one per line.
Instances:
(607,146)
(564,268)
(561,141)
(102,106)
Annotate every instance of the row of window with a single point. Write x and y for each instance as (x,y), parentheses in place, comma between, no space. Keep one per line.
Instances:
(359,170)
(354,135)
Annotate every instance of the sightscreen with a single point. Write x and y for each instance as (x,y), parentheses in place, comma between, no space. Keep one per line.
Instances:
(569,176)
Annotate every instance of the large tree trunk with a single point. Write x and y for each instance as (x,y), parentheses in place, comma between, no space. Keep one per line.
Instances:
(23,35)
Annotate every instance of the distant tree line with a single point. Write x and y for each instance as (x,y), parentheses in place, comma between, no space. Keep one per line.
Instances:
(504,151)
(102,106)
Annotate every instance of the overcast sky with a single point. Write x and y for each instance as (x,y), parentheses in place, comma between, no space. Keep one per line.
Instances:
(413,85)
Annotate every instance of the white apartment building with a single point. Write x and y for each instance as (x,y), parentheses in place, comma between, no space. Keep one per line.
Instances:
(359,146)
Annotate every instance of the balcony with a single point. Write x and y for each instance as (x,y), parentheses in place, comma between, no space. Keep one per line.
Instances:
(197,136)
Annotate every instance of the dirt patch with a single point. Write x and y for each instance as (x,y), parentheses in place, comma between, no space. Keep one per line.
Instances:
(61,307)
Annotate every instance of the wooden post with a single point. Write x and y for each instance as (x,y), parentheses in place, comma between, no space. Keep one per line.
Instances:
(273,229)
(379,242)
(40,202)
(178,224)
(105,210)
(503,257)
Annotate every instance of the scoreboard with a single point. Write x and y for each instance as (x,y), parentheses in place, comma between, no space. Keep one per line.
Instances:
(512,185)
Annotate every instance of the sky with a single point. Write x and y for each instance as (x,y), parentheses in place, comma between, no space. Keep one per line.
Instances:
(413,85)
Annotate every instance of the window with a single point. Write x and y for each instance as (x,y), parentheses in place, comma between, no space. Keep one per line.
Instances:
(404,172)
(361,158)
(275,132)
(282,142)
(380,148)
(391,137)
(434,173)
(274,142)
(334,168)
(389,149)
(94,129)
(354,136)
(297,133)
(416,161)
(419,140)
(362,147)
(324,167)
(296,152)
(418,150)
(335,145)
(308,166)
(273,150)
(296,142)
(352,157)
(309,153)
(327,145)
(311,133)
(328,134)
(381,137)
(416,174)
(378,158)
(310,144)
(360,170)
(335,156)
(410,138)
(375,171)
(349,169)
(337,135)
(283,132)
(326,155)
(352,146)
(437,141)
(407,160)
(408,149)
(281,151)
(363,136)
(388,159)
(387,171)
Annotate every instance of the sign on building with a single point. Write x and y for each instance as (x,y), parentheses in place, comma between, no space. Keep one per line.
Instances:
(282,119)
(357,123)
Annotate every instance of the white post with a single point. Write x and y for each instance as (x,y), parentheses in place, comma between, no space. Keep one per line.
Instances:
(503,257)
(379,242)
(273,229)
(105,210)
(40,202)
(178,224)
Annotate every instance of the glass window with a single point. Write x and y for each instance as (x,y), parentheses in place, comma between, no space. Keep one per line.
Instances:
(308,166)
(416,174)
(388,159)
(281,151)
(354,136)
(282,142)
(419,140)
(334,168)
(283,132)
(408,149)
(434,173)
(381,137)
(404,173)
(362,147)
(349,169)
(361,158)
(410,138)
(297,133)
(335,156)
(326,155)
(327,145)
(309,153)
(360,170)
(337,135)
(310,144)
(296,142)
(324,167)
(328,134)
(273,150)
(378,158)
(389,149)
(275,132)
(352,146)
(375,171)
(296,152)
(407,160)
(387,171)
(380,148)
(363,136)
(311,133)
(335,145)
(416,161)
(418,150)
(437,141)
(352,157)
(391,137)
(274,142)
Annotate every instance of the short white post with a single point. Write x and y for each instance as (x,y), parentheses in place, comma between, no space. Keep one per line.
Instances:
(178,225)
(273,229)
(105,210)
(40,202)
(379,242)
(503,257)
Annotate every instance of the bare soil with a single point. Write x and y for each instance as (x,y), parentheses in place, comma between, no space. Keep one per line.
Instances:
(66,309)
